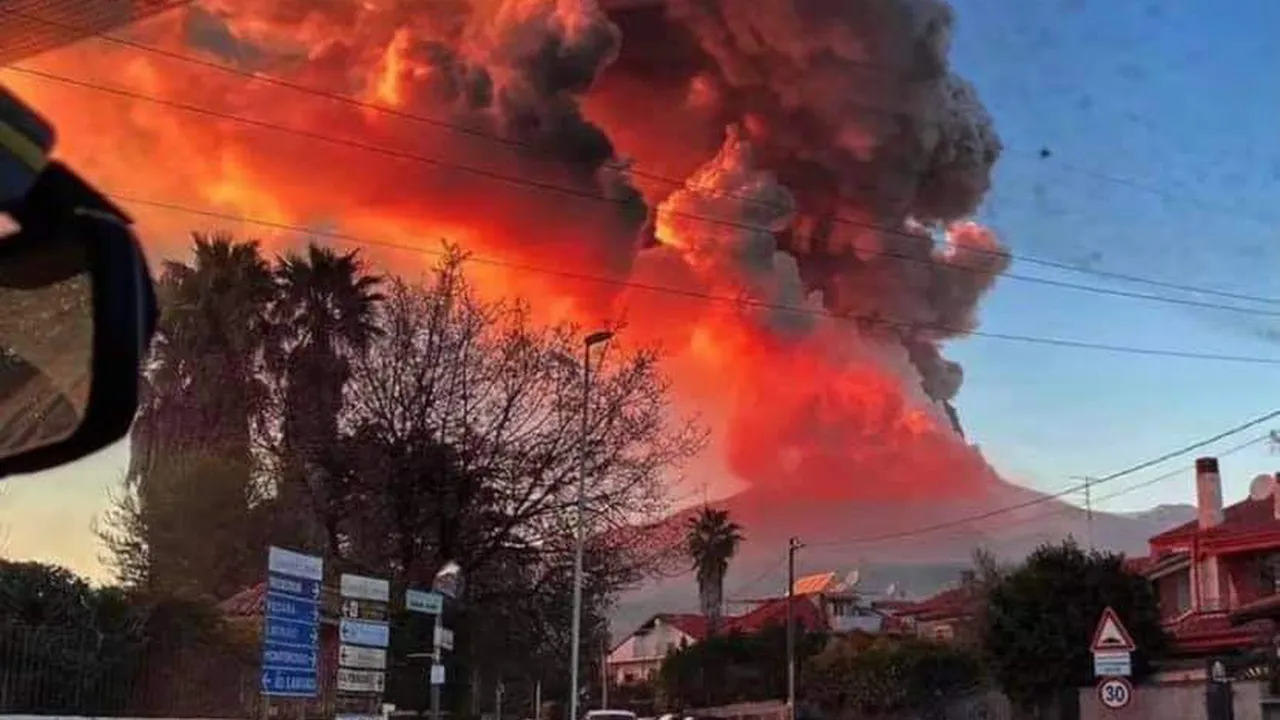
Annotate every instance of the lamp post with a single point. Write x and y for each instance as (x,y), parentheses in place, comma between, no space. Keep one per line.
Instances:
(579,534)
(448,583)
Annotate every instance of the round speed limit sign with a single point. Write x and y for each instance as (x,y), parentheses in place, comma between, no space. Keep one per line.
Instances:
(1115,693)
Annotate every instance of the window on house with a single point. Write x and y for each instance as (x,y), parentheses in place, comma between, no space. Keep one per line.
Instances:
(1269,574)
(1182,592)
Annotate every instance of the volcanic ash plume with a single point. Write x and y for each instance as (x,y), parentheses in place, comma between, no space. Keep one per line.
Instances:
(822,405)
(853,106)
(815,160)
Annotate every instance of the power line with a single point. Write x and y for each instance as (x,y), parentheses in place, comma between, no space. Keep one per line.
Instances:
(901,74)
(859,319)
(1163,477)
(579,193)
(1138,467)
(737,594)
(515,143)
(1267,437)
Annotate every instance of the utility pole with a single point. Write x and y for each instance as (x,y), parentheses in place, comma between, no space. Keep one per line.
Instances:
(1088,505)
(792,546)
(604,678)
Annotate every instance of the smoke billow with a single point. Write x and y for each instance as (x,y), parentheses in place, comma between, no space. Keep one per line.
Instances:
(854,107)
(817,159)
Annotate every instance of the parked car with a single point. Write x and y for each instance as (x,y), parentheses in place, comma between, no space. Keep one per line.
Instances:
(610,715)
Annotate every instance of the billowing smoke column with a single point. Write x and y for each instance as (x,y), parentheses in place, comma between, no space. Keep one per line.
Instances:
(814,159)
(852,105)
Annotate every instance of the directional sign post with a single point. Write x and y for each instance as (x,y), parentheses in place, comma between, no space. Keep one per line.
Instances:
(364,635)
(291,628)
(1112,648)
(432,603)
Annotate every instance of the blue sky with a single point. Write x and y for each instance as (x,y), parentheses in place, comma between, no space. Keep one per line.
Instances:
(1163,162)
(1160,122)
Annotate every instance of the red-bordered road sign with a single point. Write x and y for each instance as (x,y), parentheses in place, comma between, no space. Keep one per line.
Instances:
(1115,693)
(1111,634)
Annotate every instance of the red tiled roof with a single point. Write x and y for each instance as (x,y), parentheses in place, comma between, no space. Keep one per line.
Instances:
(246,603)
(691,624)
(774,612)
(1244,517)
(1266,607)
(769,612)
(956,602)
(1138,565)
(1201,631)
(813,584)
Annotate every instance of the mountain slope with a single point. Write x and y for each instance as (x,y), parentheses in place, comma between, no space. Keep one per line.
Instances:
(918,546)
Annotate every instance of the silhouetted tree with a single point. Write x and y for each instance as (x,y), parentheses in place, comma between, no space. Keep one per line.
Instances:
(712,541)
(1041,617)
(323,316)
(195,465)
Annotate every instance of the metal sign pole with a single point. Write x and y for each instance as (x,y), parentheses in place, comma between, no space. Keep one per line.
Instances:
(436,660)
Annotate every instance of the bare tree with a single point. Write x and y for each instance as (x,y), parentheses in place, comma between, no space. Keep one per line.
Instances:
(466,428)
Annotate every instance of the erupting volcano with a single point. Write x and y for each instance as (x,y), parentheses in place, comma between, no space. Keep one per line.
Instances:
(797,176)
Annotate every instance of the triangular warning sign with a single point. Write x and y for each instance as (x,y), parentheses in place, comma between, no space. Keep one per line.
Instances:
(1111,634)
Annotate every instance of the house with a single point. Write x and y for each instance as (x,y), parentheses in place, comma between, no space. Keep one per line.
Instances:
(1217,576)
(949,616)
(639,657)
(819,603)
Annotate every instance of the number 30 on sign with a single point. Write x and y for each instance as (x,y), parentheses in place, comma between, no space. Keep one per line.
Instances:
(1115,693)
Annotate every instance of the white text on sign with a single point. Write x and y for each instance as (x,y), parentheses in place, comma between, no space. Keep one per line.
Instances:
(364,632)
(363,658)
(421,601)
(293,564)
(1112,664)
(361,681)
(364,588)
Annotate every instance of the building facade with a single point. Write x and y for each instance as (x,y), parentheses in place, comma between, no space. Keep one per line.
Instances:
(1213,574)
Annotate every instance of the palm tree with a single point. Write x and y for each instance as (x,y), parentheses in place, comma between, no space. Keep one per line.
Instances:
(202,399)
(326,313)
(712,540)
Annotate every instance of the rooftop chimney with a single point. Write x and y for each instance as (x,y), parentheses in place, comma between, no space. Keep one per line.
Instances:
(1275,496)
(1208,493)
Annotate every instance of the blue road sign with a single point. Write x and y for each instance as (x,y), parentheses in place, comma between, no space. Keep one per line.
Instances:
(291,631)
(364,632)
(280,657)
(283,607)
(289,683)
(301,588)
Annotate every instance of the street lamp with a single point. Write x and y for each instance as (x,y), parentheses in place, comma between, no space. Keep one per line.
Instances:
(579,538)
(448,584)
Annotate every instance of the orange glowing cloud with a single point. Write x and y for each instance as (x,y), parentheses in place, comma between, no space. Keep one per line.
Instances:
(506,126)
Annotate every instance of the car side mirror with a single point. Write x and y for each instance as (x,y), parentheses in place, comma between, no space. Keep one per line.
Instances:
(77,312)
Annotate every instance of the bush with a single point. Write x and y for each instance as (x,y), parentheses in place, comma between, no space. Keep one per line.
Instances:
(857,677)
(733,667)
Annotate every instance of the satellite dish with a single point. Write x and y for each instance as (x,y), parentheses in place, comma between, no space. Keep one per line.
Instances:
(851,579)
(1262,487)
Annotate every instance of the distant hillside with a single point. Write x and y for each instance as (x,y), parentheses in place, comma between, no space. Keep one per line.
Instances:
(1165,516)
(882,542)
